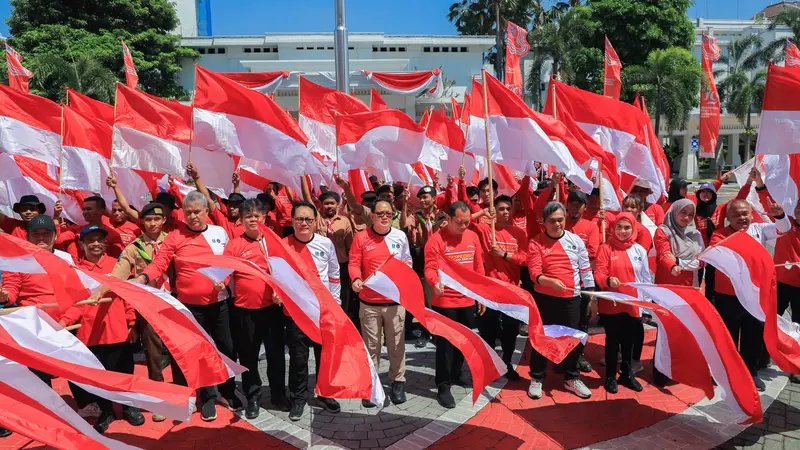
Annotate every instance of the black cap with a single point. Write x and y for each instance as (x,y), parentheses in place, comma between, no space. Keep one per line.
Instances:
(426,190)
(41,222)
(152,209)
(681,182)
(166,199)
(235,198)
(330,194)
(93,229)
(576,196)
(369,196)
(384,189)
(29,200)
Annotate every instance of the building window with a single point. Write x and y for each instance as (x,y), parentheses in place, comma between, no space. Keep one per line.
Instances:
(392,49)
(247,50)
(309,48)
(299,48)
(435,49)
(426,49)
(401,49)
(330,48)
(320,48)
(202,51)
(464,50)
(445,49)
(375,49)
(221,51)
(351,48)
(454,49)
(257,50)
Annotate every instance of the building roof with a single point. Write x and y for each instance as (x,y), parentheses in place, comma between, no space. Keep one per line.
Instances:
(353,38)
(773,10)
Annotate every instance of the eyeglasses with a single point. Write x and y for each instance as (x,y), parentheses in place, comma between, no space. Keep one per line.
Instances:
(303,219)
(384,214)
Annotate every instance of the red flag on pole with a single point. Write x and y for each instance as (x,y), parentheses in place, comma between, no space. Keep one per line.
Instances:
(516,47)
(131,78)
(709,101)
(376,102)
(612,80)
(18,76)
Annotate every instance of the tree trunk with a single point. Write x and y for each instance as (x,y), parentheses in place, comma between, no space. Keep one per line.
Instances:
(498,60)
(747,139)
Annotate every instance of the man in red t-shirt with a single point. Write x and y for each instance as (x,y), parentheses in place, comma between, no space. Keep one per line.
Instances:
(93,211)
(118,221)
(456,242)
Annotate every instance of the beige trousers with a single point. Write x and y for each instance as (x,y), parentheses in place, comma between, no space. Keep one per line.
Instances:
(388,321)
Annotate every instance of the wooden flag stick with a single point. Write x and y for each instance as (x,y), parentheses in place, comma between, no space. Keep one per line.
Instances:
(488,150)
(5,311)
(73,327)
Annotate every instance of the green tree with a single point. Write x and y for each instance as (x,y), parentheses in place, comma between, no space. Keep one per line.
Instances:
(83,74)
(774,51)
(83,30)
(744,91)
(670,80)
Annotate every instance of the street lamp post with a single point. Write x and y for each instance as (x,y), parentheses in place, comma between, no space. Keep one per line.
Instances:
(341,52)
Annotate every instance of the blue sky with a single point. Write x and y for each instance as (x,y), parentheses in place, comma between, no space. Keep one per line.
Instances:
(231,17)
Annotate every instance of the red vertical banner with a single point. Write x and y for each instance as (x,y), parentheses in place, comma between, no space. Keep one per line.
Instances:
(612,78)
(792,55)
(18,76)
(131,77)
(709,101)
(516,47)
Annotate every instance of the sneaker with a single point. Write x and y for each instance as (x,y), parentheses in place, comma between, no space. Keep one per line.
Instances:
(4,433)
(330,404)
(577,387)
(398,393)
(104,422)
(132,415)
(511,373)
(445,398)
(159,418)
(252,410)
(234,404)
(297,410)
(631,383)
(523,330)
(282,403)
(209,410)
(422,342)
(90,410)
(611,385)
(759,383)
(636,366)
(535,389)
(584,366)
(368,404)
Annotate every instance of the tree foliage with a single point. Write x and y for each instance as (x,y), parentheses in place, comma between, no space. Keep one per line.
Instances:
(774,51)
(58,35)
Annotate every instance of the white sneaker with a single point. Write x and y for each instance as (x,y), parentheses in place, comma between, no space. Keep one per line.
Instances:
(578,388)
(636,366)
(90,410)
(535,390)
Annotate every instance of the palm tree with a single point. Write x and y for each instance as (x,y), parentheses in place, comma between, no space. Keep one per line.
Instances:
(789,18)
(81,73)
(671,80)
(743,89)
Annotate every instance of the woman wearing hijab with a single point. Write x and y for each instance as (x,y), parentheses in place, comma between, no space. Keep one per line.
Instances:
(621,260)
(677,245)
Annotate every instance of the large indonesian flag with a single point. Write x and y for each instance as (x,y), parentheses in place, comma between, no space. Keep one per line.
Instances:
(447,137)
(90,107)
(792,54)
(18,75)
(752,272)
(612,80)
(652,141)
(239,121)
(398,282)
(34,410)
(29,126)
(264,82)
(319,107)
(782,178)
(406,83)
(518,135)
(779,133)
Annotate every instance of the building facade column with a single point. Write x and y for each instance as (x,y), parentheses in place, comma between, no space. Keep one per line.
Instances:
(733,159)
(688,159)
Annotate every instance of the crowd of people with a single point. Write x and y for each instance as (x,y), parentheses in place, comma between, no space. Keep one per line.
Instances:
(548,237)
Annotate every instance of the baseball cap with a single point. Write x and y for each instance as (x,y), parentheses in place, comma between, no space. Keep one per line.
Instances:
(152,209)
(681,182)
(709,186)
(641,183)
(576,196)
(93,229)
(41,222)
(426,190)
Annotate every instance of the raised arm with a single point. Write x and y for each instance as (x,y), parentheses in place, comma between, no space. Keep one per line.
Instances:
(200,185)
(111,182)
(349,196)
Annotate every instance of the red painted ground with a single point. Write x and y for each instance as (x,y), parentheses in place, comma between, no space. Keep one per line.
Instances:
(560,419)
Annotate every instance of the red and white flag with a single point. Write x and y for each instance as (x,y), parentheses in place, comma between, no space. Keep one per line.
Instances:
(264,82)
(18,75)
(653,142)
(782,178)
(396,281)
(319,107)
(376,102)
(780,113)
(516,48)
(229,118)
(709,100)
(34,410)
(554,342)
(792,54)
(612,74)
(90,107)
(131,77)
(446,137)
(29,126)
(455,109)
(518,135)
(359,182)
(691,307)
(406,83)
(32,338)
(752,272)
(85,151)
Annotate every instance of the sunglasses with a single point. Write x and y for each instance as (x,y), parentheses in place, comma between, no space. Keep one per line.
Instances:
(304,219)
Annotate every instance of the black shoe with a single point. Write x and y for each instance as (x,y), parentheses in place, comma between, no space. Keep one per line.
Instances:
(463,381)
(611,385)
(759,383)
(4,433)
(282,403)
(584,366)
(367,404)
(445,398)
(208,412)
(631,383)
(104,422)
(422,342)
(297,410)
(234,404)
(794,378)
(132,415)
(398,393)
(511,374)
(330,404)
(659,379)
(252,410)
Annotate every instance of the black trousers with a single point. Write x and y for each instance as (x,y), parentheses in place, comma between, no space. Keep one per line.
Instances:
(638,340)
(449,359)
(525,279)
(215,319)
(557,311)
(789,295)
(114,357)
(709,275)
(348,297)
(299,345)
(253,327)
(493,324)
(747,331)
(620,334)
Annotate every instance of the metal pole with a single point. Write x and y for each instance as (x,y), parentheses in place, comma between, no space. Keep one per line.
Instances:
(340,46)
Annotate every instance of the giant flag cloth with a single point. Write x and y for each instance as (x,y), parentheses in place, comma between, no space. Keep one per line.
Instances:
(18,75)
(698,327)
(518,135)
(31,338)
(792,55)
(554,342)
(612,80)
(90,107)
(652,141)
(782,178)
(264,82)
(709,100)
(752,272)
(29,126)
(448,136)
(231,118)
(407,83)
(398,282)
(85,151)
(516,47)
(32,409)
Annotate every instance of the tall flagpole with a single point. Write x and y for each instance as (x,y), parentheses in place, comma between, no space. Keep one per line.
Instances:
(555,116)
(488,150)
(340,45)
